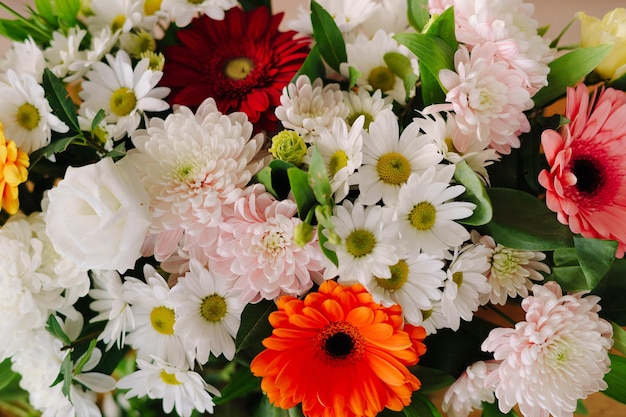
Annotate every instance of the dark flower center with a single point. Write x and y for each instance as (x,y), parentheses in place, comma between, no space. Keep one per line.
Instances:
(340,341)
(588,177)
(339,345)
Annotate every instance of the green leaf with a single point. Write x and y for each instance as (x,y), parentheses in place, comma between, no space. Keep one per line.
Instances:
(619,338)
(53,148)
(275,178)
(444,27)
(615,379)
(84,358)
(14,30)
(242,383)
(595,256)
(328,36)
(568,70)
(67,10)
(54,328)
(318,179)
(432,379)
(323,220)
(522,221)
(45,9)
(97,119)
(418,14)
(570,278)
(255,325)
(400,65)
(248,5)
(266,409)
(302,192)
(476,193)
(580,408)
(431,90)
(313,66)
(66,372)
(59,100)
(6,373)
(492,410)
(619,83)
(421,406)
(353,76)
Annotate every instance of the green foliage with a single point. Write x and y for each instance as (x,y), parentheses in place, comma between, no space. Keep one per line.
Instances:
(248,5)
(418,14)
(255,325)
(475,192)
(240,385)
(400,65)
(327,36)
(619,338)
(615,379)
(313,66)
(492,410)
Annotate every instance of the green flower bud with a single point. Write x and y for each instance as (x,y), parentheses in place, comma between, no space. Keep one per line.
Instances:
(288,146)
(302,234)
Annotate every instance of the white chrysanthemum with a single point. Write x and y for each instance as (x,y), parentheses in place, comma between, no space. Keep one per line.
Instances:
(152,307)
(24,58)
(389,159)
(368,242)
(64,50)
(341,151)
(391,16)
(208,313)
(512,271)
(427,216)
(466,284)
(182,12)
(101,44)
(415,283)
(347,14)
(367,56)
(25,113)
(370,106)
(307,107)
(468,392)
(123,92)
(109,303)
(555,357)
(434,319)
(116,15)
(179,388)
(192,164)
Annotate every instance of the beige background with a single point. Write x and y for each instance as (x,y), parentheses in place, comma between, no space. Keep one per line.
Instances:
(557,13)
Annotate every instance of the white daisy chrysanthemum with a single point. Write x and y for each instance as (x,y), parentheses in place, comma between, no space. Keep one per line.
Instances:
(180,389)
(468,392)
(466,284)
(24,58)
(557,356)
(123,92)
(101,44)
(389,160)
(427,216)
(415,284)
(512,271)
(341,150)
(117,15)
(391,16)
(367,56)
(182,12)
(208,313)
(369,105)
(152,306)
(109,303)
(307,107)
(434,319)
(25,113)
(192,164)
(368,242)
(65,50)
(347,14)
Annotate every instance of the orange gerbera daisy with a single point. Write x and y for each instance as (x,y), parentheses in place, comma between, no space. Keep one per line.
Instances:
(13,171)
(339,354)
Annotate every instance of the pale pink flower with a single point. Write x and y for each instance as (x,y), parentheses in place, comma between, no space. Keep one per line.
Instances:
(257,248)
(468,392)
(436,7)
(586,183)
(488,97)
(555,357)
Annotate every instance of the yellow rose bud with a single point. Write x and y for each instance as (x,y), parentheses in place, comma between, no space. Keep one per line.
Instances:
(288,146)
(611,29)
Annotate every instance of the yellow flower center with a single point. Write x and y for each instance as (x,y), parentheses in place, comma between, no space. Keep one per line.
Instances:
(422,216)
(399,276)
(123,101)
(194,1)
(426,314)
(162,319)
(238,68)
(28,116)
(381,78)
(360,243)
(118,23)
(150,7)
(366,124)
(393,168)
(338,160)
(457,278)
(169,379)
(213,308)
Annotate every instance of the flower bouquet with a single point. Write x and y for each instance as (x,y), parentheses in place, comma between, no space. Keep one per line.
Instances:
(205,212)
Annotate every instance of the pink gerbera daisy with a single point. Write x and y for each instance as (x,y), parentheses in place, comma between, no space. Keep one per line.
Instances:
(585,185)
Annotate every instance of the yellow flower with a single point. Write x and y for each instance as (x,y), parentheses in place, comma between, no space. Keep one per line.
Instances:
(13,171)
(611,29)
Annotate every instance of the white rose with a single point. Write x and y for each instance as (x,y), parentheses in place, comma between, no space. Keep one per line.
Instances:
(98,215)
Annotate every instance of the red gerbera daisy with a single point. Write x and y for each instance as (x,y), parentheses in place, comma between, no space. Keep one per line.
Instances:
(339,354)
(586,184)
(243,62)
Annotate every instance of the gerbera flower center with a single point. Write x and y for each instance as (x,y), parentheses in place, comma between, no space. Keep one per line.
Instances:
(169,379)
(340,341)
(366,124)
(381,78)
(360,243)
(213,308)
(238,68)
(162,319)
(123,101)
(589,177)
(28,116)
(118,23)
(338,160)
(399,276)
(393,168)
(457,278)
(423,216)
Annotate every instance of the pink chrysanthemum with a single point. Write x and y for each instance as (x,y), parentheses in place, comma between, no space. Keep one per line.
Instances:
(586,183)
(257,246)
(469,391)
(555,357)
